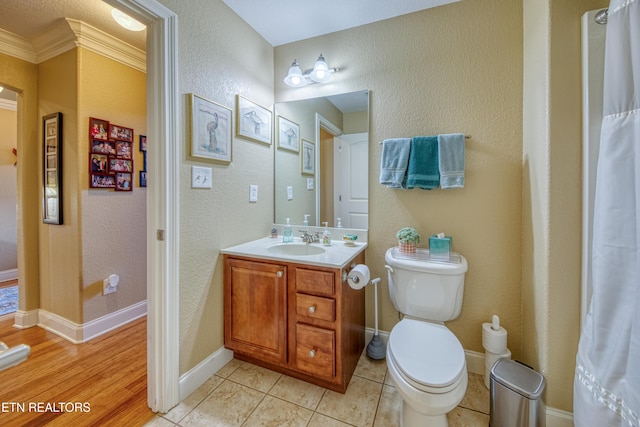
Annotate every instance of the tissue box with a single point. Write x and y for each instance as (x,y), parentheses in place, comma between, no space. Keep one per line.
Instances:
(440,247)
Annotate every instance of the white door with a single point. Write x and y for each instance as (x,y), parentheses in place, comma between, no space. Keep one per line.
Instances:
(351,182)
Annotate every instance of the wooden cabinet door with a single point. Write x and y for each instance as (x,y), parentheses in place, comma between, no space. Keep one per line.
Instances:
(256,309)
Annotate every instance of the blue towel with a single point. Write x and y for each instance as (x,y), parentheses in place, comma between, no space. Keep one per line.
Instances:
(393,164)
(423,163)
(451,160)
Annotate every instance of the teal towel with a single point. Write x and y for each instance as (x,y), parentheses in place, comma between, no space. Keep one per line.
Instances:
(423,169)
(451,160)
(394,161)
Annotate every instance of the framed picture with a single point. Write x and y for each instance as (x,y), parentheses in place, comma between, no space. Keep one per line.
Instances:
(143,178)
(120,165)
(123,149)
(98,129)
(211,130)
(52,168)
(143,143)
(103,147)
(101,180)
(288,134)
(123,181)
(98,163)
(253,121)
(120,132)
(308,158)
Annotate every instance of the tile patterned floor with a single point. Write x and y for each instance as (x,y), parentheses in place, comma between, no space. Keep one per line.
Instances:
(242,394)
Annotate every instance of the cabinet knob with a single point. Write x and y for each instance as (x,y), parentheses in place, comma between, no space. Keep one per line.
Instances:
(312,352)
(312,309)
(279,274)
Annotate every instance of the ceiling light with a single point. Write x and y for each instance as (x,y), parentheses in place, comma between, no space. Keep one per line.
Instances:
(1,88)
(126,21)
(321,73)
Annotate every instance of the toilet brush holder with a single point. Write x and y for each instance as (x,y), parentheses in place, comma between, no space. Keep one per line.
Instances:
(376,348)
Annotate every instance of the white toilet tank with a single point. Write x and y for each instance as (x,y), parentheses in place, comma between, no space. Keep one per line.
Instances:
(425,289)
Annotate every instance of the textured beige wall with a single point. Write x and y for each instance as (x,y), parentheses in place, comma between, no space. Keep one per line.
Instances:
(219,56)
(60,270)
(8,193)
(114,232)
(455,68)
(9,127)
(22,77)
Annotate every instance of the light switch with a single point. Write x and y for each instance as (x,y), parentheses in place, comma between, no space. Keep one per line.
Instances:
(289,192)
(200,177)
(253,193)
(309,183)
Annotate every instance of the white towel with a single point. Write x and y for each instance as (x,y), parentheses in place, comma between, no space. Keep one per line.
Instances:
(451,160)
(394,161)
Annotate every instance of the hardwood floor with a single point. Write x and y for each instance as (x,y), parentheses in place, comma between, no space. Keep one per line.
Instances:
(99,383)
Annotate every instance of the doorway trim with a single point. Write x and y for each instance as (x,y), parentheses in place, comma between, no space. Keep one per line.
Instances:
(162,200)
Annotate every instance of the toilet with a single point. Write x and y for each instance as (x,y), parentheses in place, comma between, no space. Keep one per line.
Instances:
(425,359)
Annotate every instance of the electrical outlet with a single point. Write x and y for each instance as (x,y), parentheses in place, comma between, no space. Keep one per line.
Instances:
(309,183)
(289,192)
(106,289)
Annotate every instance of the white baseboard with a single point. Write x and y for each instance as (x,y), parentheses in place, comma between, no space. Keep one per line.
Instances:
(79,333)
(7,275)
(558,418)
(25,319)
(204,370)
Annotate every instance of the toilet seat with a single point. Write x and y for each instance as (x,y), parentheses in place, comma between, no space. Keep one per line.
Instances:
(427,355)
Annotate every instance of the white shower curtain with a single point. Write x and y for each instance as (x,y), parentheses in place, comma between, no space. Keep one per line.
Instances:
(607,378)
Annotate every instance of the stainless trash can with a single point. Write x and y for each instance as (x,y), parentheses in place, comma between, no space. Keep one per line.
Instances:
(516,396)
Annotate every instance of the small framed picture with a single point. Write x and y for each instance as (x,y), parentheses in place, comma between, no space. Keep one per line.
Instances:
(253,121)
(120,165)
(211,130)
(123,149)
(103,147)
(120,132)
(101,180)
(98,129)
(143,143)
(98,163)
(307,158)
(144,161)
(143,178)
(52,168)
(123,181)
(288,134)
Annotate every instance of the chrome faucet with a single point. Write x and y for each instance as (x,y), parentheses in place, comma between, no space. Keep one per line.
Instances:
(310,238)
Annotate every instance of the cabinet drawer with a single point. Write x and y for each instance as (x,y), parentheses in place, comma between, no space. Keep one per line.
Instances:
(316,307)
(315,282)
(315,350)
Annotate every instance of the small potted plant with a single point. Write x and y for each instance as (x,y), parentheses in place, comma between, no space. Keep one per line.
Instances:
(408,239)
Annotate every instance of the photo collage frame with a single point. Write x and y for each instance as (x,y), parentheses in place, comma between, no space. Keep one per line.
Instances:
(110,156)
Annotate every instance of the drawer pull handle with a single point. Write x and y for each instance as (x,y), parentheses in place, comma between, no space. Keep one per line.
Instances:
(312,309)
(312,352)
(279,274)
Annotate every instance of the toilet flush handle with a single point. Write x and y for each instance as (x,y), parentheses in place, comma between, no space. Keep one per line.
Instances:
(388,267)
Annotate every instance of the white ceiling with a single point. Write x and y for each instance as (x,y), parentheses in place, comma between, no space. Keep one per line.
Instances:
(285,21)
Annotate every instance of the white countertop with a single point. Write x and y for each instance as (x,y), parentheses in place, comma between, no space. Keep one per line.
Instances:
(336,256)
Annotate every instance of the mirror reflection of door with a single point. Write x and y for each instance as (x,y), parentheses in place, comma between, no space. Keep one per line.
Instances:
(352,180)
(326,177)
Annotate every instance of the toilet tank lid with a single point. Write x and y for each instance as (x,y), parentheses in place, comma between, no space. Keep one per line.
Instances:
(422,261)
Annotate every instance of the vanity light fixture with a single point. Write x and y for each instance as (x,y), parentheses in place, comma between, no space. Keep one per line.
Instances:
(321,73)
(126,21)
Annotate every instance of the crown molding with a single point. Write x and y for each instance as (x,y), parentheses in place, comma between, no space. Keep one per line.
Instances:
(7,104)
(17,46)
(66,34)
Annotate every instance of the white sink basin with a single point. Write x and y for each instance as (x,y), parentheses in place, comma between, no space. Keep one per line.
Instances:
(295,249)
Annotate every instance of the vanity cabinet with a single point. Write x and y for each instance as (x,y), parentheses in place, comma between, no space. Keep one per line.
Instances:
(311,322)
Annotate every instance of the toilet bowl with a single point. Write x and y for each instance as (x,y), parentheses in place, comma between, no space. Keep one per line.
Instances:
(427,365)
(425,359)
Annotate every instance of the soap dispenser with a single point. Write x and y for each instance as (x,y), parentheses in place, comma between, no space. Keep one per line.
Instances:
(287,236)
(306,220)
(338,222)
(326,236)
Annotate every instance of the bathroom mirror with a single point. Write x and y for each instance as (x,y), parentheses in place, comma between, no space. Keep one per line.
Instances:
(327,177)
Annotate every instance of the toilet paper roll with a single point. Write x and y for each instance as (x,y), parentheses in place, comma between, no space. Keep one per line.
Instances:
(359,276)
(492,340)
(491,358)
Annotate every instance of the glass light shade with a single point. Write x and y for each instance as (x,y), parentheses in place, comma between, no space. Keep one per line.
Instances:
(321,72)
(126,21)
(294,77)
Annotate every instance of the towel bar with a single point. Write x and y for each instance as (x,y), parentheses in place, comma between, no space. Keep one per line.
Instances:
(465,137)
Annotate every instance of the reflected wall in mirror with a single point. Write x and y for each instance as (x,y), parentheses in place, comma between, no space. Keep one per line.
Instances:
(338,128)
